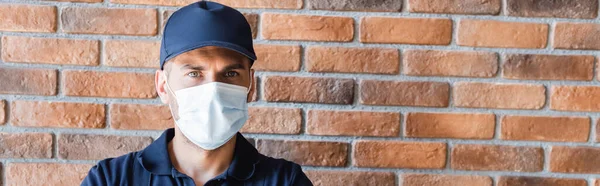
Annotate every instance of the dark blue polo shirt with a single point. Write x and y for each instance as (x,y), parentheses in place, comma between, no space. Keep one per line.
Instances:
(152,166)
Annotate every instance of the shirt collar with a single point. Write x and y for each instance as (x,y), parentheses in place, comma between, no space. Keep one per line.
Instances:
(155,157)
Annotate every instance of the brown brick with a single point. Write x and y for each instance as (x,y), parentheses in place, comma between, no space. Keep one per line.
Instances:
(28,81)
(357,5)
(548,67)
(253,21)
(96,147)
(565,9)
(85,1)
(450,125)
(310,90)
(597,182)
(419,31)
(57,114)
(306,27)
(27,18)
(540,128)
(2,112)
(456,6)
(284,58)
(140,117)
(273,120)
(497,95)
(323,178)
(428,94)
(131,53)
(497,158)
(450,63)
(584,36)
(353,60)
(489,33)
(311,153)
(539,181)
(280,4)
(142,22)
(353,123)
(384,154)
(50,50)
(445,180)
(25,145)
(108,84)
(45,173)
(575,98)
(575,160)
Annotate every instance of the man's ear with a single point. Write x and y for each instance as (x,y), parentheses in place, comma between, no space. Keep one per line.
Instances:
(159,83)
(253,85)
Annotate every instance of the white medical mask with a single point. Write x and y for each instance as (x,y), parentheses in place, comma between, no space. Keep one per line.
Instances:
(211,114)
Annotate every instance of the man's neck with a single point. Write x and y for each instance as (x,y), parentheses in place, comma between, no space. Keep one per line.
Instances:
(197,163)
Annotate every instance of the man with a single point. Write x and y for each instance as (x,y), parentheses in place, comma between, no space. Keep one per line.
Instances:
(205,78)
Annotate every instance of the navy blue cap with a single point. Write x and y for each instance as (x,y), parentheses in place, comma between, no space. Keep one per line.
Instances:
(204,24)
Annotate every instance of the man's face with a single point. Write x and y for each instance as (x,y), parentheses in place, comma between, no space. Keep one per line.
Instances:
(200,66)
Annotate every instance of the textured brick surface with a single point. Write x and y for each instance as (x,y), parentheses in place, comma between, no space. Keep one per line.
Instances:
(420,31)
(548,67)
(273,120)
(497,158)
(448,125)
(416,155)
(577,36)
(503,96)
(303,27)
(353,60)
(27,18)
(25,145)
(277,58)
(312,90)
(356,5)
(108,84)
(575,98)
(543,128)
(30,81)
(280,4)
(427,94)
(539,181)
(352,123)
(575,160)
(449,63)
(57,114)
(456,6)
(445,180)
(323,178)
(109,21)
(563,9)
(140,117)
(3,111)
(312,153)
(131,53)
(94,147)
(487,33)
(18,174)
(50,51)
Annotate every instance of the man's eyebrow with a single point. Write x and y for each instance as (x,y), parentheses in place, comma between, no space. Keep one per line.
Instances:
(234,67)
(194,67)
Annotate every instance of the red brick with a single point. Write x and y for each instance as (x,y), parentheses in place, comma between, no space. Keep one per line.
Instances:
(450,125)
(57,114)
(548,67)
(353,60)
(584,36)
(445,180)
(131,53)
(489,33)
(419,31)
(45,173)
(25,145)
(497,158)
(280,4)
(140,117)
(497,95)
(575,98)
(597,182)
(273,120)
(356,5)
(253,21)
(143,22)
(155,2)
(85,1)
(284,58)
(575,160)
(311,153)
(384,154)
(306,27)
(2,112)
(565,9)
(28,81)
(450,63)
(96,147)
(108,84)
(427,94)
(322,178)
(456,6)
(27,18)
(539,181)
(310,90)
(540,128)
(50,51)
(353,123)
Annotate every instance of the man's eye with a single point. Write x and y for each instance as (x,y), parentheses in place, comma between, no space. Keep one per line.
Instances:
(193,74)
(231,74)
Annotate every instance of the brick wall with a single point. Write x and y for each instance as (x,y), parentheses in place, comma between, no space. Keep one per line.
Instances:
(389,92)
